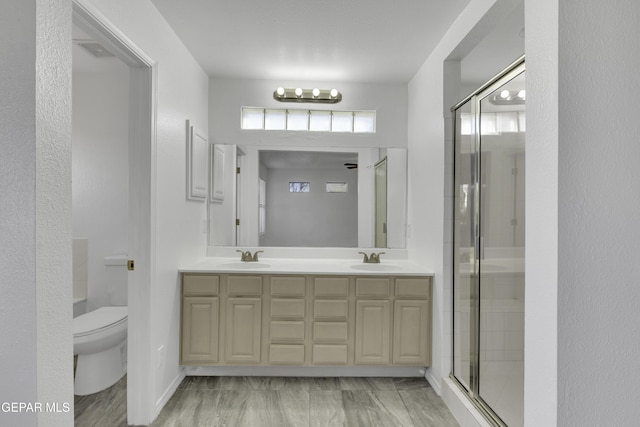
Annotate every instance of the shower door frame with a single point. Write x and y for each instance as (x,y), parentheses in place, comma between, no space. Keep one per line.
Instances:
(508,74)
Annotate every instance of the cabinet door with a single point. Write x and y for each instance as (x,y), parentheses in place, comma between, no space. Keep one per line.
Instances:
(372,332)
(200,321)
(411,332)
(243,329)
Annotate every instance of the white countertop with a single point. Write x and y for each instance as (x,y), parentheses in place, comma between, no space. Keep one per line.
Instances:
(306,266)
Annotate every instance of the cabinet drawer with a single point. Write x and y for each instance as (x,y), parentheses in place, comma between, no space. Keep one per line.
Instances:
(200,285)
(286,354)
(372,287)
(330,309)
(331,287)
(330,331)
(286,330)
(417,288)
(288,286)
(329,354)
(244,286)
(292,308)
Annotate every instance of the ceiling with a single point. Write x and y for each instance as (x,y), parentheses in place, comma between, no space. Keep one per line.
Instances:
(373,41)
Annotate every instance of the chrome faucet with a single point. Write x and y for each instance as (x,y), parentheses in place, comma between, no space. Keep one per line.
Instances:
(247,257)
(374,258)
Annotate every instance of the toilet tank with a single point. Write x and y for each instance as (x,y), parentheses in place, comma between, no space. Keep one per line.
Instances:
(117,276)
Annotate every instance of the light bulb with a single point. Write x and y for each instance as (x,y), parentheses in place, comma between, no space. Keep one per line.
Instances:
(522,94)
(316,92)
(280,91)
(504,94)
(298,92)
(334,93)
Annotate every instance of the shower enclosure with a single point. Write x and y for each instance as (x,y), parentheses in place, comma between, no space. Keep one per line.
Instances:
(488,249)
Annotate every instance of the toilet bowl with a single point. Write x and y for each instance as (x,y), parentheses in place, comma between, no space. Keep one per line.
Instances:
(100,341)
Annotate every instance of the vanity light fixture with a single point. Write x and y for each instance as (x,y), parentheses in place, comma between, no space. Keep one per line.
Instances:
(326,96)
(509,97)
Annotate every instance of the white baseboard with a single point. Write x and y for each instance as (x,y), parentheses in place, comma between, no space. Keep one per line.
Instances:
(300,371)
(461,408)
(168,393)
(436,385)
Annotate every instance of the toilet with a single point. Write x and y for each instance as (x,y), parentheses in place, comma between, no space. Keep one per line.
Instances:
(100,341)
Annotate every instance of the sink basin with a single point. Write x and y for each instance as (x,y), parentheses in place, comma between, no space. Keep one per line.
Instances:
(239,265)
(375,267)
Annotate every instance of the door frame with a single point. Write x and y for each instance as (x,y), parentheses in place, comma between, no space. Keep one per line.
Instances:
(142,215)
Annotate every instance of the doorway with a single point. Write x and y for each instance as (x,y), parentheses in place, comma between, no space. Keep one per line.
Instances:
(140,215)
(488,250)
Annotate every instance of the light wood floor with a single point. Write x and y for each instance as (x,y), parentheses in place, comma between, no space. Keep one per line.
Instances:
(279,402)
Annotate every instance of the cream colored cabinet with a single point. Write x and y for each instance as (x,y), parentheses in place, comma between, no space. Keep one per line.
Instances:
(410,332)
(330,332)
(244,319)
(372,332)
(412,322)
(373,320)
(287,320)
(200,320)
(242,328)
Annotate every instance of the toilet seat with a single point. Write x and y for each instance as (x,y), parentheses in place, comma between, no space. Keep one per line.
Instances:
(99,320)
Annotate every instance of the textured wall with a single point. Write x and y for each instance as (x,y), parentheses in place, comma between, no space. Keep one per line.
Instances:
(35,272)
(18,207)
(53,206)
(598,213)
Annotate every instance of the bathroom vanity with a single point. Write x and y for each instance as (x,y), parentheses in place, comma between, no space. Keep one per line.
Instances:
(322,313)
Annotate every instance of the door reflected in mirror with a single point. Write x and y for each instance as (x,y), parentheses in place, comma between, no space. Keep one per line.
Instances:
(381,203)
(311,197)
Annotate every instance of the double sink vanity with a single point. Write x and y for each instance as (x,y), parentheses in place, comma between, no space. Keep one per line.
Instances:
(305,313)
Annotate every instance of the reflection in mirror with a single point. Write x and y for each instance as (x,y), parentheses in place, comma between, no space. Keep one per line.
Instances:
(381,203)
(303,208)
(338,210)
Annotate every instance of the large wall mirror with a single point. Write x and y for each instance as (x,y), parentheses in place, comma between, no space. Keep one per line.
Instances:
(282,196)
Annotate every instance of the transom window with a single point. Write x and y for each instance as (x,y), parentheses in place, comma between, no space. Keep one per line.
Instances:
(308,120)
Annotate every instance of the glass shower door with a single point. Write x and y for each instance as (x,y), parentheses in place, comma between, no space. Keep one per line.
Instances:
(488,257)
(501,257)
(465,278)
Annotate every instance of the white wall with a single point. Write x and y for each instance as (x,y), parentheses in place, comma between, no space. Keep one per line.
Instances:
(101,178)
(541,279)
(598,213)
(313,219)
(429,204)
(180,234)
(35,213)
(228,96)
